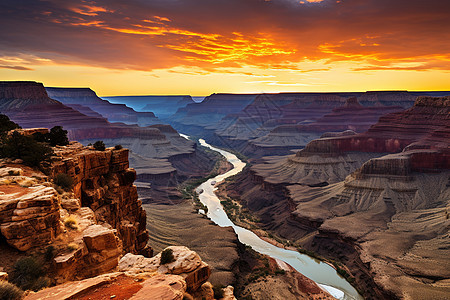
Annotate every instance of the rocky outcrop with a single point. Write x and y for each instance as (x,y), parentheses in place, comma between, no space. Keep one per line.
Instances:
(143,278)
(89,227)
(29,215)
(85,97)
(162,106)
(186,263)
(103,181)
(156,143)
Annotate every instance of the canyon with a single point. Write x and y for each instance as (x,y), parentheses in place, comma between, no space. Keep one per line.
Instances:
(158,153)
(375,201)
(360,180)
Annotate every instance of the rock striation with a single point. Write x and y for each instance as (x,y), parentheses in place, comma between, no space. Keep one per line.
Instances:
(103,181)
(100,219)
(143,278)
(273,124)
(82,98)
(158,150)
(377,201)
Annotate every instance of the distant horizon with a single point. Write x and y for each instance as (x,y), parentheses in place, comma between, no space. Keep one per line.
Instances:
(196,47)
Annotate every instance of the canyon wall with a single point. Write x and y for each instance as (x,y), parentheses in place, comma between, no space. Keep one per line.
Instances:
(375,201)
(162,106)
(89,226)
(85,97)
(156,149)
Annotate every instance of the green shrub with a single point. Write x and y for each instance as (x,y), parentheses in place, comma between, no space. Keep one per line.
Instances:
(6,124)
(99,146)
(64,180)
(118,147)
(58,136)
(167,256)
(25,148)
(27,274)
(9,291)
(218,291)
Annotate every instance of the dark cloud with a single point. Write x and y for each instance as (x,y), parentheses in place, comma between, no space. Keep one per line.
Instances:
(146,35)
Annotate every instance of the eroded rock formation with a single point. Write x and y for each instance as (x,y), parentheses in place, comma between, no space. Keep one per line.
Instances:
(89,227)
(143,278)
(80,98)
(377,201)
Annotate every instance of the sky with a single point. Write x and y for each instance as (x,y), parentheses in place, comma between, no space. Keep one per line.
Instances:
(199,47)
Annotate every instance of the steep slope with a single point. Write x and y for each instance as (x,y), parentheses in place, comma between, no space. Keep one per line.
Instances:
(107,217)
(157,143)
(277,121)
(74,97)
(351,116)
(162,106)
(385,216)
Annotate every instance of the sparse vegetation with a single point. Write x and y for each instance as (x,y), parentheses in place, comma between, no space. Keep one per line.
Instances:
(6,124)
(118,147)
(9,291)
(72,247)
(167,256)
(58,136)
(71,222)
(65,181)
(18,146)
(99,146)
(27,274)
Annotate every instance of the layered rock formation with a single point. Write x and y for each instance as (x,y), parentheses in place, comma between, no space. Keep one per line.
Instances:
(271,124)
(162,106)
(351,116)
(90,227)
(143,278)
(385,216)
(194,118)
(80,98)
(157,150)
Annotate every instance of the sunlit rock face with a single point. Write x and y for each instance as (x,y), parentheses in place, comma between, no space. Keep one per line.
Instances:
(139,277)
(106,218)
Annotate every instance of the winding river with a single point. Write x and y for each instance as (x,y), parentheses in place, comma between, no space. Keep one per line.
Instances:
(322,273)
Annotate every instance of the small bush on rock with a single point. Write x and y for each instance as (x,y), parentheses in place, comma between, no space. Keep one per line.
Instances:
(26,148)
(71,223)
(9,291)
(167,256)
(27,274)
(118,147)
(99,146)
(64,180)
(58,136)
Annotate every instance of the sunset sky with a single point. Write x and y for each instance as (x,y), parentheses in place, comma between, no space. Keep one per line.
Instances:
(199,47)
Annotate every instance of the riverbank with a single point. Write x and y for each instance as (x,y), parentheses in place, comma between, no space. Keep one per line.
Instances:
(319,272)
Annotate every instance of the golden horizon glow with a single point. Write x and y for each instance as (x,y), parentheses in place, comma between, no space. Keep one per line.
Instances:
(236,47)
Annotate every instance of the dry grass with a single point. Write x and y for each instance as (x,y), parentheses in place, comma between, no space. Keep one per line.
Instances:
(71,222)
